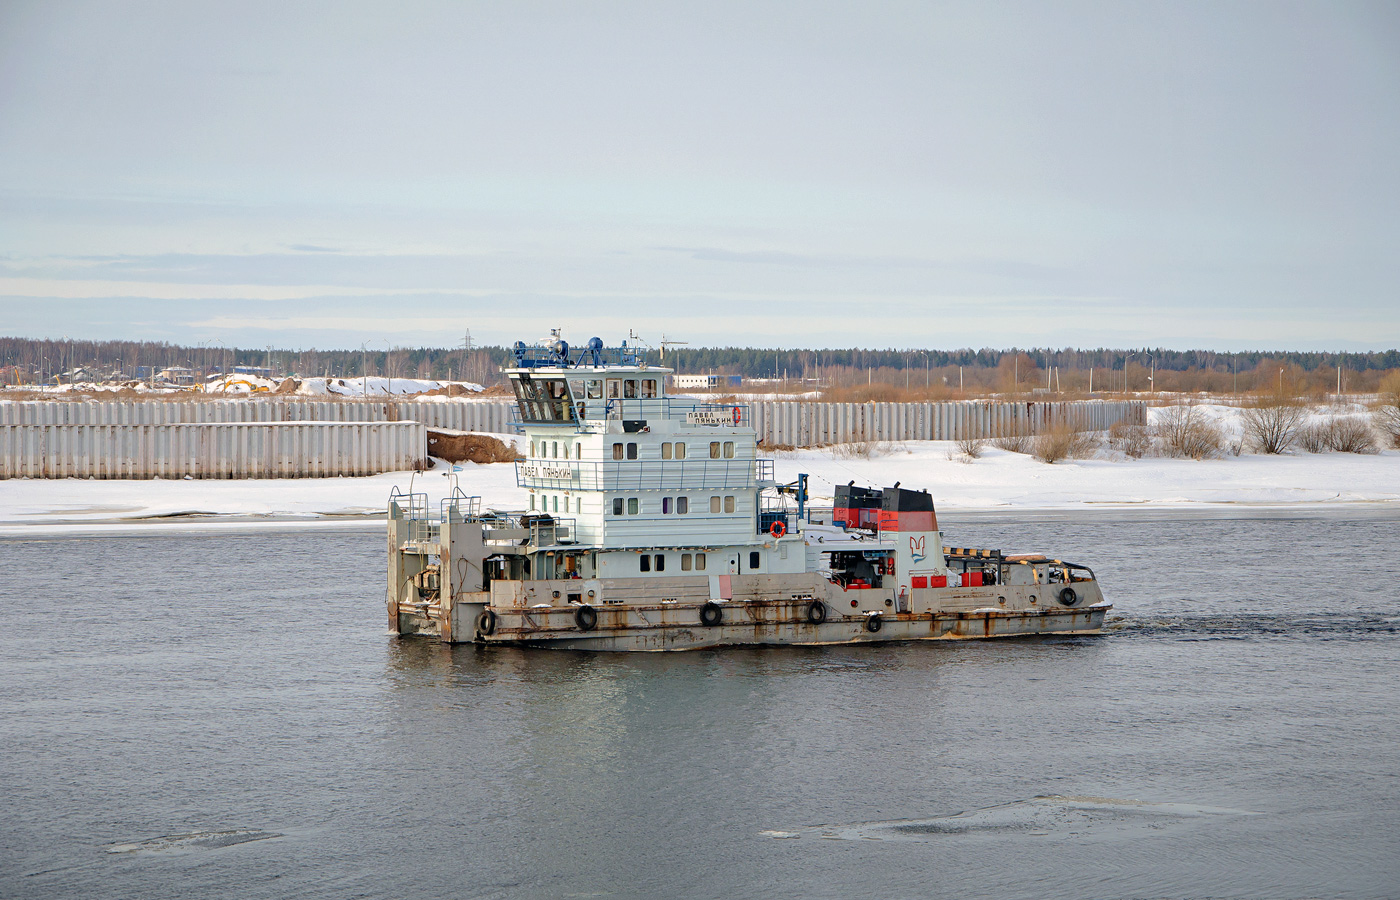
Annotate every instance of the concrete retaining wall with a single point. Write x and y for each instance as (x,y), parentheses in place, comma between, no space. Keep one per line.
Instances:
(211,450)
(265,437)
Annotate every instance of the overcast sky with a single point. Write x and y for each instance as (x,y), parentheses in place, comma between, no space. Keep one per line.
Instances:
(1218,175)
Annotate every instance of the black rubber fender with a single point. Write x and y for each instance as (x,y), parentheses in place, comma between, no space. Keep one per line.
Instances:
(1068,597)
(586,618)
(874,623)
(816,613)
(486,622)
(711,614)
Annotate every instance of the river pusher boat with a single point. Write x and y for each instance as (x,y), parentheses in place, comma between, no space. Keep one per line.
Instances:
(651,524)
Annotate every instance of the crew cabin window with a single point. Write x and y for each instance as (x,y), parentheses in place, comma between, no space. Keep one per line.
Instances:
(680,450)
(714,449)
(617,451)
(665,451)
(729,504)
(699,562)
(631,451)
(595,389)
(665,505)
(660,562)
(629,389)
(754,561)
(728,449)
(617,505)
(648,387)
(687,562)
(632,506)
(682,505)
(714,504)
(646,562)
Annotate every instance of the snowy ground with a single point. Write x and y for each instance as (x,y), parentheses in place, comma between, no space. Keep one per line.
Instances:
(1000,480)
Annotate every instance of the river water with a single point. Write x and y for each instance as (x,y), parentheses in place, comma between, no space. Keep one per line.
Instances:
(224,715)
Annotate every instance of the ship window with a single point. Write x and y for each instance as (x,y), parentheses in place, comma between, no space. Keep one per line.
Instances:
(699,562)
(665,505)
(682,505)
(612,389)
(646,562)
(629,389)
(754,561)
(660,562)
(686,562)
(714,504)
(617,505)
(595,389)
(566,450)
(665,451)
(617,451)
(556,503)
(632,505)
(631,451)
(729,504)
(576,387)
(555,453)
(680,450)
(532,501)
(578,506)
(648,387)
(532,448)
(728,449)
(714,449)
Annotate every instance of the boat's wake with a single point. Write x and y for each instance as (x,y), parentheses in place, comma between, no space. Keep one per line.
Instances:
(1188,627)
(1048,816)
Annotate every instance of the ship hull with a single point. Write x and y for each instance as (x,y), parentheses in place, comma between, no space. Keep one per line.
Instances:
(744,630)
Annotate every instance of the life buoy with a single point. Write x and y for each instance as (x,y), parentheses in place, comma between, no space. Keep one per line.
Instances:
(1068,597)
(777,529)
(738,415)
(816,613)
(486,622)
(586,618)
(873,623)
(711,615)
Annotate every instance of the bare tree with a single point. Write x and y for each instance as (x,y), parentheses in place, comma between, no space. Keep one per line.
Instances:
(1273,421)
(1387,411)
(1185,431)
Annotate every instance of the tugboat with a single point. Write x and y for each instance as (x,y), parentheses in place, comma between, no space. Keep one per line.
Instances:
(651,524)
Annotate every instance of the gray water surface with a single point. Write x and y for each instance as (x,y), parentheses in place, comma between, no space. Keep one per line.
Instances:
(225,716)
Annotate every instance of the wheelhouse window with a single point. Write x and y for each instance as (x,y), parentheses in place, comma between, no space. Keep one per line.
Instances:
(648,388)
(595,389)
(543,399)
(629,389)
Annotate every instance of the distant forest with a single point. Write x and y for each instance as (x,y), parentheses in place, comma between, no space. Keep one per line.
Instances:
(932,370)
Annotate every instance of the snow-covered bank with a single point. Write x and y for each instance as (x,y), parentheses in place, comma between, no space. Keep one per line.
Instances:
(1000,480)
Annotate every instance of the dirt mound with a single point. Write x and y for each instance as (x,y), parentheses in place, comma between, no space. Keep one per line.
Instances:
(478,448)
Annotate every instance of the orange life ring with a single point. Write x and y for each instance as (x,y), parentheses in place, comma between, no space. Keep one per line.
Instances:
(777,529)
(738,415)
